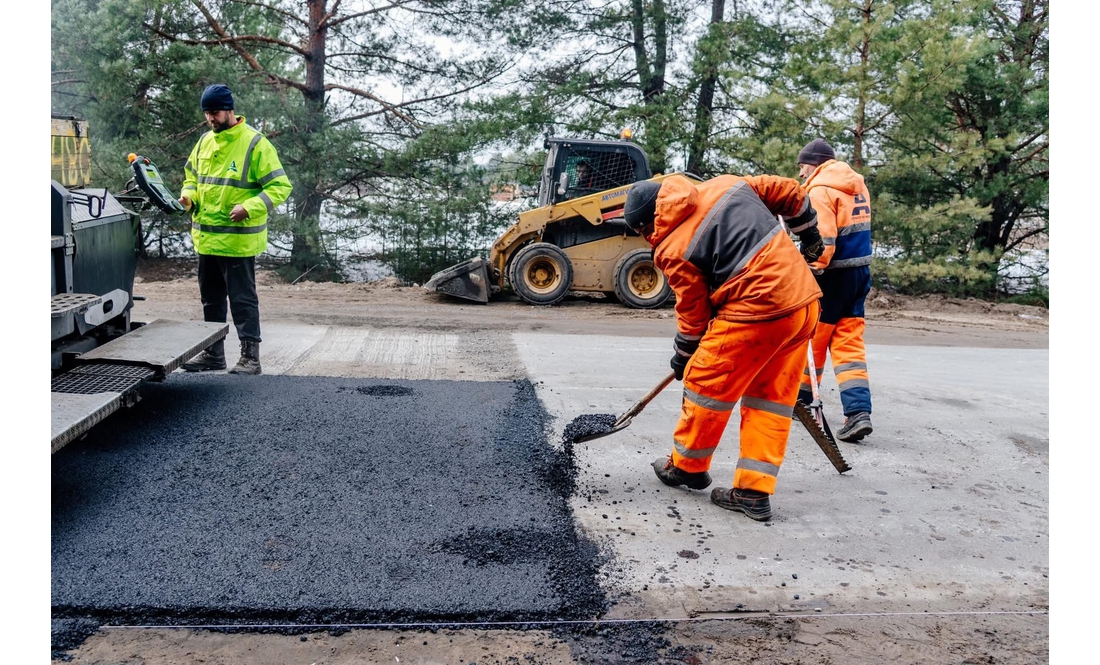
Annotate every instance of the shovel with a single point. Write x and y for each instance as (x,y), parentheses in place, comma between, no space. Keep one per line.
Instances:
(624,420)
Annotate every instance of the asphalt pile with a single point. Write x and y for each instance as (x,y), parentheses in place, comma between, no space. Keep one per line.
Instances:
(592,423)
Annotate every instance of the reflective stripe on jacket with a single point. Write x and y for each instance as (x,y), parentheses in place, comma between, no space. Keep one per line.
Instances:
(235,166)
(843,206)
(725,253)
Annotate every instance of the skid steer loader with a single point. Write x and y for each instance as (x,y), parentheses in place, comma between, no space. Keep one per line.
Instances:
(575,240)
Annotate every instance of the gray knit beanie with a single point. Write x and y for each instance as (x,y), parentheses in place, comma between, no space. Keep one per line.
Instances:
(816,152)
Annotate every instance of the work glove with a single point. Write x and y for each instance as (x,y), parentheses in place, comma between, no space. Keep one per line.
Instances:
(684,348)
(811,245)
(679,364)
(809,238)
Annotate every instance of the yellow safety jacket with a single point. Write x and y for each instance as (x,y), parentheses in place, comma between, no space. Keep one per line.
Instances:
(235,166)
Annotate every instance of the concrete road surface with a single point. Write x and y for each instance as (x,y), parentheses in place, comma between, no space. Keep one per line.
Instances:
(944,510)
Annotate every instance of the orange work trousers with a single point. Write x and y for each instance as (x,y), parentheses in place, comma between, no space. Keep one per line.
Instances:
(840,332)
(759,363)
(844,343)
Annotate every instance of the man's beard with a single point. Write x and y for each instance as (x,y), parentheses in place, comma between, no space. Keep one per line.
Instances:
(219,126)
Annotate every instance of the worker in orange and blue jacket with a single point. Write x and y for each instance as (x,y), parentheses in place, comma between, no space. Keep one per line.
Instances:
(843,272)
(746,306)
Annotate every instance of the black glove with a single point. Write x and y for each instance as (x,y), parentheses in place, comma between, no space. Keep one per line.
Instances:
(679,364)
(809,238)
(684,348)
(811,245)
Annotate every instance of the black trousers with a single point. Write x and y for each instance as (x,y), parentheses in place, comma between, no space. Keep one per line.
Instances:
(231,278)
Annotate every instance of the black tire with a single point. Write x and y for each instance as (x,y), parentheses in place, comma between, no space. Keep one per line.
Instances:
(638,283)
(509,266)
(541,273)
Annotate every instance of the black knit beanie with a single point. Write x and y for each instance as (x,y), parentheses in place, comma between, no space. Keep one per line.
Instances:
(217,97)
(641,204)
(816,152)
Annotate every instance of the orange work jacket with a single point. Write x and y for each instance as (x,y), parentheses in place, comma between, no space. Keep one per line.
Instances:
(843,205)
(725,253)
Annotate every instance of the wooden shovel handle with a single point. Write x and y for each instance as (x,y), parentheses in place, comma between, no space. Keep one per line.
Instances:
(641,404)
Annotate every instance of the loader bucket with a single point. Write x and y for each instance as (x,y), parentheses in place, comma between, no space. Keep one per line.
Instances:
(469,279)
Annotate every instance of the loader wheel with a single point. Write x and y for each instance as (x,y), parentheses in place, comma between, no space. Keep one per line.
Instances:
(638,283)
(541,273)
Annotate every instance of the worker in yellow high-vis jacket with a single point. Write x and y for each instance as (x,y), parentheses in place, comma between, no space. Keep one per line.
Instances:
(232,182)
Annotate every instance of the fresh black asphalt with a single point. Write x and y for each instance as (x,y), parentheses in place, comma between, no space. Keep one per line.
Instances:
(222,499)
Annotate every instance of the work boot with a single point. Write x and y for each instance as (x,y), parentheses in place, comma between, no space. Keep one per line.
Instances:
(213,358)
(674,476)
(856,426)
(753,503)
(250,359)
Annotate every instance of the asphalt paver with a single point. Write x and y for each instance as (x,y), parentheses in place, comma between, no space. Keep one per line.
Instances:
(223,499)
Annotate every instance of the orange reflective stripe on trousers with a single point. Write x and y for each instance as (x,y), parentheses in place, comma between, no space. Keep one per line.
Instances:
(758,363)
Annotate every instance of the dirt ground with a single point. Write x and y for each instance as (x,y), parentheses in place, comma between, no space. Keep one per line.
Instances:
(980,637)
(171,289)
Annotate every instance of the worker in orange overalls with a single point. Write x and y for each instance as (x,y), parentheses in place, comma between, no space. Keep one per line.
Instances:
(843,272)
(746,306)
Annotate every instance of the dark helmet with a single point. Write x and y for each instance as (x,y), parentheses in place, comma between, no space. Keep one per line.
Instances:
(641,204)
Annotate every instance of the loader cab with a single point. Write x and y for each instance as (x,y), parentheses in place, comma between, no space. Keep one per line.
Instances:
(576,168)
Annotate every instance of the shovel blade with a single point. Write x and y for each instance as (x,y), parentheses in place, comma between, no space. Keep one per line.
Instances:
(599,435)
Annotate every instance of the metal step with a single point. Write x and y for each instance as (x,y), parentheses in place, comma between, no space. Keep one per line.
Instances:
(64,310)
(162,345)
(67,303)
(108,377)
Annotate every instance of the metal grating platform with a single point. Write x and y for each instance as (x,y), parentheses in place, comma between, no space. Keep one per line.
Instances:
(100,378)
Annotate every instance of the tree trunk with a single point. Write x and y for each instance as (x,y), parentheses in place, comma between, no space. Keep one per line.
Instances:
(306,250)
(995,233)
(701,131)
(862,91)
(651,77)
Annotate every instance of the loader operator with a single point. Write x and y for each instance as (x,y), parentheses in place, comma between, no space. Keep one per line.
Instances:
(585,178)
(232,181)
(843,272)
(746,306)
